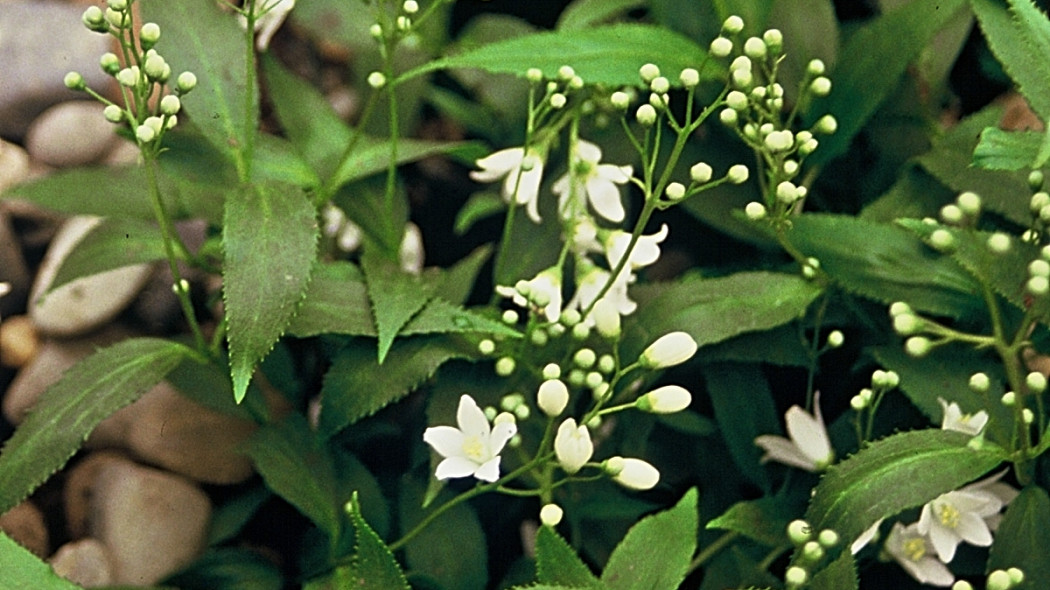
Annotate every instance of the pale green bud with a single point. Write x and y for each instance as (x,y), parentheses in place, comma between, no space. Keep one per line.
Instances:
(94,20)
(565,73)
(755,211)
(128,76)
(113,113)
(787,192)
(607,318)
(918,346)
(755,48)
(1039,268)
(736,100)
(836,339)
(668,350)
(550,514)
(700,172)
(962,585)
(377,80)
(721,47)
(979,382)
(539,338)
(551,371)
(534,75)
(689,78)
(774,40)
(552,397)
(660,85)
(606,363)
(648,72)
(585,358)
(737,174)
(812,552)
(1008,399)
(186,82)
(109,63)
(74,81)
(646,115)
(170,104)
(486,347)
(828,538)
(815,67)
(675,191)
(115,18)
(593,380)
(119,5)
(998,580)
(505,366)
(733,25)
(898,308)
(1035,179)
(795,576)
(999,243)
(149,34)
(951,214)
(728,117)
(1036,382)
(942,240)
(826,125)
(665,400)
(742,78)
(969,203)
(558,100)
(799,532)
(410,7)
(1027,416)
(145,133)
(155,66)
(907,324)
(1016,575)
(620,100)
(1038,286)
(820,86)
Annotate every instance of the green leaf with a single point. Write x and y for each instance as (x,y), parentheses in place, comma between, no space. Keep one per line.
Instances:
(557,563)
(395,296)
(840,574)
(885,263)
(1022,537)
(22,569)
(901,471)
(609,55)
(374,566)
(269,239)
(744,409)
(657,550)
(581,14)
(336,302)
(357,386)
(1007,150)
(229,568)
(442,317)
(372,155)
(713,310)
(451,550)
(860,83)
(276,160)
(763,520)
(228,519)
(299,467)
(457,282)
(1019,39)
(113,243)
(211,45)
(70,409)
(479,206)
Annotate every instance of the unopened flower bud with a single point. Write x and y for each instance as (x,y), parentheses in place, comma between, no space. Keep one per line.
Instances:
(962,585)
(755,211)
(737,174)
(149,34)
(689,78)
(1036,382)
(145,133)
(646,115)
(979,382)
(826,125)
(733,25)
(116,18)
(552,397)
(486,347)
(942,240)
(1038,286)
(632,473)
(376,31)
(728,117)
(74,81)
(907,324)
(700,172)
(170,104)
(128,76)
(836,339)
(969,203)
(999,243)
(951,214)
(1035,179)
(721,47)
(795,576)
(787,192)
(820,86)
(505,366)
(998,580)
(648,72)
(606,318)
(1016,575)
(551,515)
(668,350)
(376,80)
(675,191)
(812,552)
(736,100)
(773,39)
(94,20)
(186,82)
(410,7)
(109,63)
(755,48)
(113,113)
(918,346)
(799,532)
(620,100)
(154,66)
(1008,399)
(815,67)
(660,85)
(665,400)
(565,73)
(742,78)
(779,141)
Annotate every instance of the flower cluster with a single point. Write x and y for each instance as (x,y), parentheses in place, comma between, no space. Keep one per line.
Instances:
(142,74)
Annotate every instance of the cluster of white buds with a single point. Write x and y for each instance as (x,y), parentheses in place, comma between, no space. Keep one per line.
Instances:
(812,549)
(881,382)
(144,75)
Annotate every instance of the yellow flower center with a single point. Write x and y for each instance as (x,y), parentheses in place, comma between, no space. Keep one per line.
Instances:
(949,515)
(915,548)
(473,449)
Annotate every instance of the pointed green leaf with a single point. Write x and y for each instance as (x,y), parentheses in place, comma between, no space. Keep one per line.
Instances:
(744,409)
(113,243)
(70,409)
(656,551)
(269,239)
(228,568)
(608,55)
(336,302)
(442,317)
(1020,39)
(581,14)
(22,569)
(299,467)
(860,83)
(211,45)
(1022,537)
(763,520)
(885,263)
(840,574)
(451,550)
(372,155)
(374,566)
(1007,150)
(557,563)
(479,206)
(357,386)
(395,297)
(276,160)
(713,310)
(901,471)
(457,282)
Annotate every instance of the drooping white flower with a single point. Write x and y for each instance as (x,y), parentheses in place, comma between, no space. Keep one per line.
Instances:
(474,447)
(954,419)
(1004,491)
(632,473)
(597,182)
(572,445)
(270,14)
(808,448)
(521,172)
(589,282)
(958,516)
(646,250)
(915,554)
(543,291)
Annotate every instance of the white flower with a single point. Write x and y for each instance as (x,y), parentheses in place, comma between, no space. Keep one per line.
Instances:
(270,14)
(543,291)
(552,397)
(968,514)
(954,419)
(809,447)
(914,553)
(864,538)
(1005,492)
(632,473)
(589,282)
(595,181)
(673,348)
(646,250)
(521,172)
(474,447)
(410,254)
(572,445)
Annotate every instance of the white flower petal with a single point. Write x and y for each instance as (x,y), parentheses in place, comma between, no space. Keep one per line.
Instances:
(809,434)
(588,152)
(604,196)
(455,467)
(944,542)
(489,471)
(784,451)
(573,446)
(501,162)
(446,440)
(470,418)
(502,432)
(974,530)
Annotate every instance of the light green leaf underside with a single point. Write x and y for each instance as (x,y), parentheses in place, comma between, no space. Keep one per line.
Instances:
(22,569)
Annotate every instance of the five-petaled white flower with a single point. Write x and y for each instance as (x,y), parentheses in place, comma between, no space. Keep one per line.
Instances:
(954,419)
(474,447)
(809,447)
(915,554)
(542,290)
(646,250)
(967,514)
(597,182)
(573,445)
(522,172)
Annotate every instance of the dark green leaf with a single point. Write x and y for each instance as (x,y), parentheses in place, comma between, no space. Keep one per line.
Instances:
(916,194)
(374,566)
(228,519)
(372,155)
(22,569)
(229,569)
(1007,150)
(269,239)
(840,574)
(457,282)
(451,550)
(657,550)
(478,207)
(884,263)
(744,409)
(299,467)
(336,302)
(442,317)
(113,243)
(901,471)
(557,563)
(713,310)
(395,295)
(1022,537)
(763,520)
(70,409)
(608,55)
(860,83)
(357,386)
(581,14)
(276,160)
(1020,38)
(212,46)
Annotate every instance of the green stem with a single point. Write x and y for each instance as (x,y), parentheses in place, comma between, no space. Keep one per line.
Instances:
(245,154)
(713,549)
